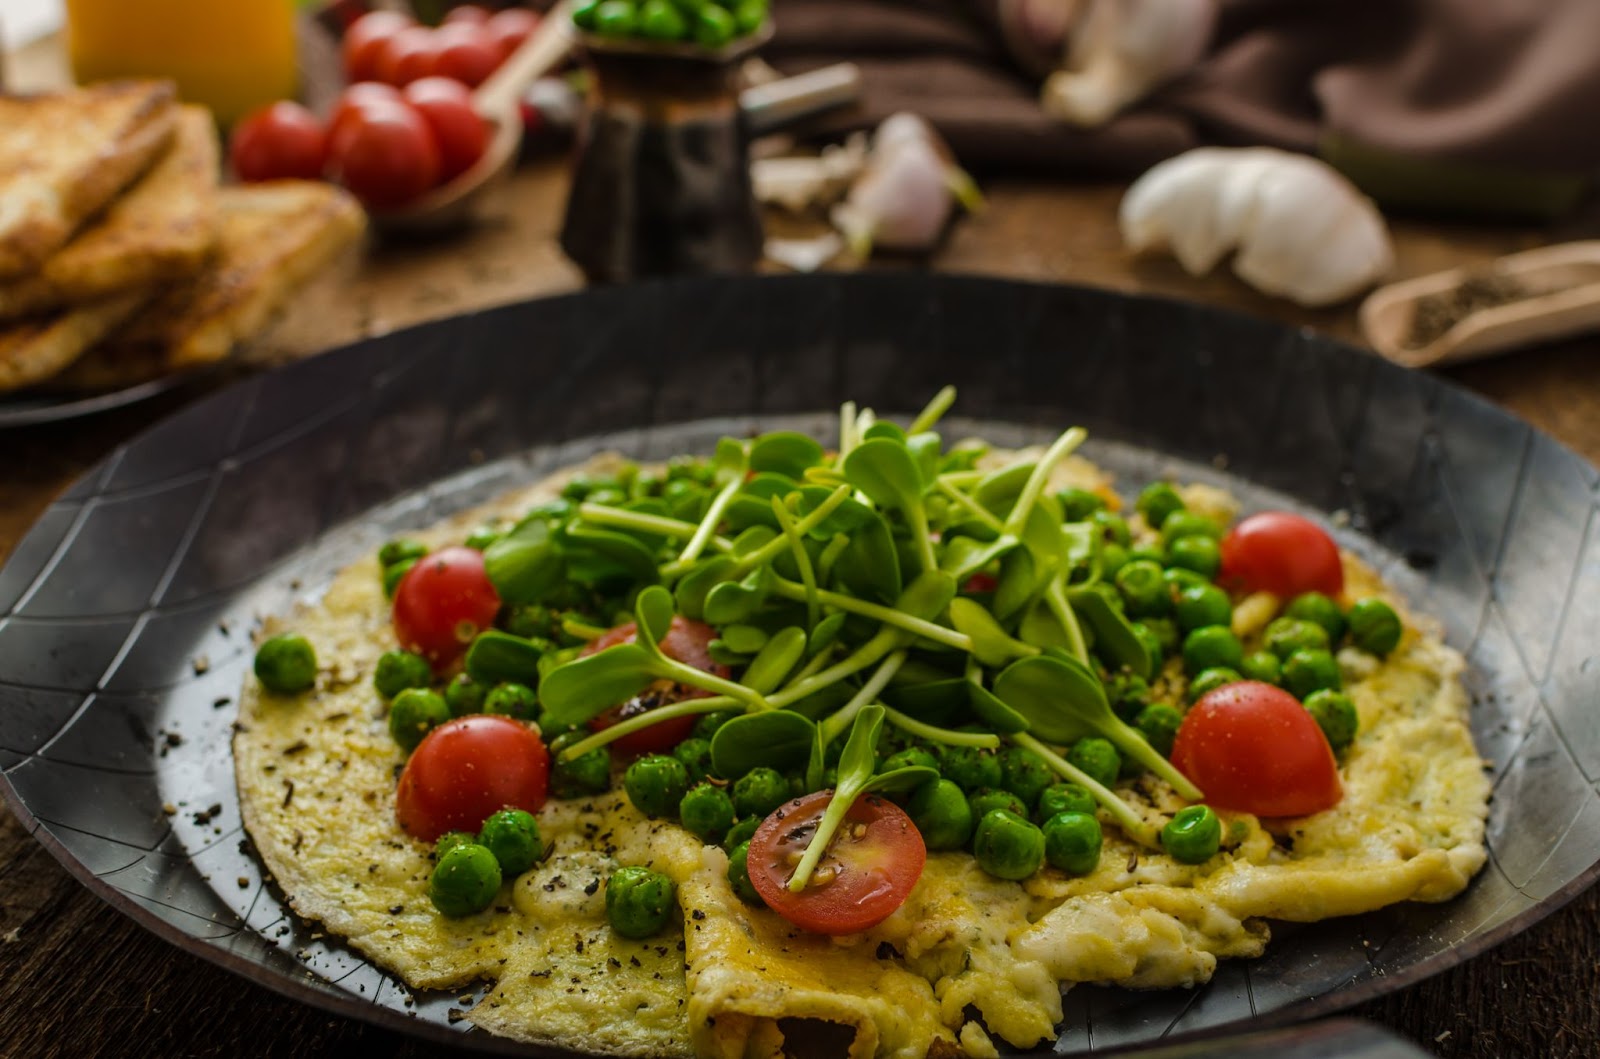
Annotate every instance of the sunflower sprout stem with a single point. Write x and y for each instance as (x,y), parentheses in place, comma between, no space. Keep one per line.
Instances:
(971,506)
(802,560)
(582,630)
(603,515)
(708,525)
(775,547)
(686,708)
(845,717)
(1056,600)
(1063,446)
(982,740)
(843,798)
(935,409)
(861,658)
(888,615)
(699,678)
(1132,824)
(847,428)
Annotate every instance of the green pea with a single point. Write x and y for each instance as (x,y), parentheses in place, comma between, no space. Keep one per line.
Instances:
(1157,502)
(450,840)
(741,832)
(911,755)
(739,874)
(660,20)
(1007,846)
(483,536)
(579,486)
(748,15)
(532,621)
(611,496)
(1127,694)
(413,714)
(392,575)
(1374,627)
(512,835)
(656,784)
(1024,773)
(1150,639)
(1314,606)
(1202,555)
(1211,647)
(586,774)
(1098,758)
(1284,636)
(586,16)
(695,753)
(639,902)
(1193,836)
(465,881)
(707,811)
(714,27)
(399,550)
(1263,666)
(398,670)
(1201,605)
(1179,578)
(1335,714)
(1113,557)
(1072,842)
(1149,553)
(760,791)
(1208,680)
(1308,670)
(942,814)
(464,695)
(1114,527)
(1143,588)
(971,768)
(982,801)
(1165,631)
(1064,798)
(1159,724)
(1183,524)
(285,664)
(510,699)
(1108,592)
(707,725)
(1079,504)
(613,18)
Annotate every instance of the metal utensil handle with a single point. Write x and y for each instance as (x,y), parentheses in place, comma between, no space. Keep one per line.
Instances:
(545,48)
(773,105)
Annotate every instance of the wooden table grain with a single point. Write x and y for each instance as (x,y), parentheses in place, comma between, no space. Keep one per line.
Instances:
(78,979)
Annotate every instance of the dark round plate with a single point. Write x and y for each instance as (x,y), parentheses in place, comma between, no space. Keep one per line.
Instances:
(28,409)
(127,609)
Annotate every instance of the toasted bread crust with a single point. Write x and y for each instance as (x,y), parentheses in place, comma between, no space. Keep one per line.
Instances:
(162,229)
(35,350)
(63,157)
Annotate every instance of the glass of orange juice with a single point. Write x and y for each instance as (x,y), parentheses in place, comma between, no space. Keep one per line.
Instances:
(230,55)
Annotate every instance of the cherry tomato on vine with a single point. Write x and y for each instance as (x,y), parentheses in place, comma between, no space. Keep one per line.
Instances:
(861,879)
(686,642)
(442,603)
(1254,748)
(1281,553)
(467,769)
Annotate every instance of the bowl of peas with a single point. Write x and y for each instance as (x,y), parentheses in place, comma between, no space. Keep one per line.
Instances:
(721,29)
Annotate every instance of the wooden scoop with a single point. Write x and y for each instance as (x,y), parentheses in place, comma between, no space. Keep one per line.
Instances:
(498,101)
(1558,294)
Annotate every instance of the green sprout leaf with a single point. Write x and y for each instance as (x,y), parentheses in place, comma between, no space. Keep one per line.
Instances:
(525,565)
(784,452)
(782,651)
(1114,637)
(991,644)
(777,739)
(653,612)
(575,693)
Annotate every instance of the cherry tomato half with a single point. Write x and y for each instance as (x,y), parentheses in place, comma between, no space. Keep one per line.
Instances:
(509,28)
(467,53)
(1281,553)
(1253,748)
(384,152)
(467,769)
(861,879)
(457,126)
(279,141)
(686,642)
(442,603)
(366,40)
(409,55)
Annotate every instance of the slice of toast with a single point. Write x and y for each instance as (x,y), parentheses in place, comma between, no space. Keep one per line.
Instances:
(64,156)
(36,350)
(161,229)
(272,238)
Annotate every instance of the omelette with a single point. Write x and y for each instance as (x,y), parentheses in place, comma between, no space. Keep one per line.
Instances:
(968,963)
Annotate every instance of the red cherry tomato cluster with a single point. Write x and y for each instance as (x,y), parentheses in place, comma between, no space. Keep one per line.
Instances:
(387,145)
(393,48)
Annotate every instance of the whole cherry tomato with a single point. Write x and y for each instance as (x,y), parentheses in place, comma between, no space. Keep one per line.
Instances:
(279,141)
(385,153)
(1254,748)
(1280,553)
(366,40)
(409,55)
(457,126)
(442,603)
(471,14)
(874,860)
(685,641)
(467,53)
(509,28)
(358,95)
(468,769)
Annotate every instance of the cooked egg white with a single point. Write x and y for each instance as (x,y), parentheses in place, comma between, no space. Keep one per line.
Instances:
(317,773)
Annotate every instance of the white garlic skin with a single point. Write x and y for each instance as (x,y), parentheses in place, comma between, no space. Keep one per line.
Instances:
(1121,50)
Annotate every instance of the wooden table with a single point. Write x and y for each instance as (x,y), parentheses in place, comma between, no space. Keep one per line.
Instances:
(76,978)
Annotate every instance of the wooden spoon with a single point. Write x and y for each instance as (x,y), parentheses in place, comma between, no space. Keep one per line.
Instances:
(1558,294)
(498,101)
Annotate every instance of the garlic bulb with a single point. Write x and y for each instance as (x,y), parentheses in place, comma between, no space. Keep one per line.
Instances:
(1120,50)
(907,191)
(1299,229)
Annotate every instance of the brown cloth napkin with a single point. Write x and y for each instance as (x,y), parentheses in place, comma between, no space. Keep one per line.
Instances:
(1483,87)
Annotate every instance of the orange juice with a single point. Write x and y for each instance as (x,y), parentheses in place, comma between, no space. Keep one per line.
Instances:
(230,55)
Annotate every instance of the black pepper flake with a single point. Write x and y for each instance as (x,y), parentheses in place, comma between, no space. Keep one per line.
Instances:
(592,887)
(697,914)
(296,747)
(341,715)
(887,951)
(1133,861)
(634,960)
(397,909)
(207,815)
(455,1015)
(613,962)
(298,840)
(219,703)
(578,947)
(288,792)
(538,974)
